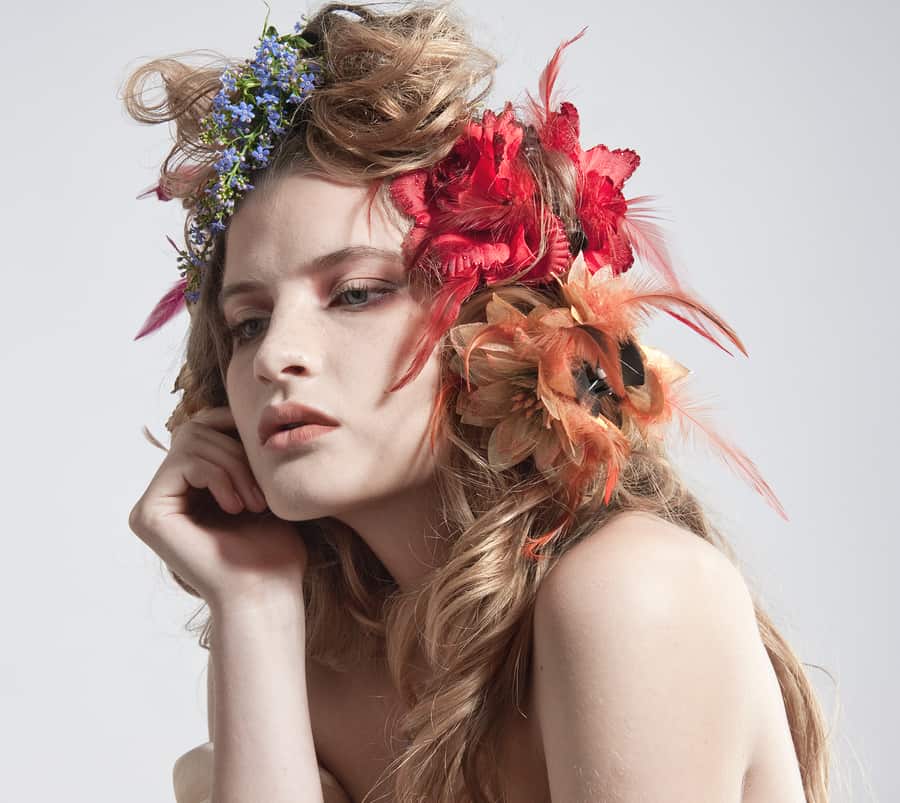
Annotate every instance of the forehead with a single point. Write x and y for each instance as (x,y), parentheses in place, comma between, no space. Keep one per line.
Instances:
(298,217)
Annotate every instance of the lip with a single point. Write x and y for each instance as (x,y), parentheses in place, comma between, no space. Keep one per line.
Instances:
(292,438)
(276,416)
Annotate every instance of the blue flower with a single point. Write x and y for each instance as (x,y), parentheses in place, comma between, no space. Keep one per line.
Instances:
(243,111)
(227,160)
(261,71)
(267,98)
(307,83)
(261,154)
(229,81)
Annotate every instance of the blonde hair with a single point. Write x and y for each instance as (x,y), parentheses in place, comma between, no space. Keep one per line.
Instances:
(401,87)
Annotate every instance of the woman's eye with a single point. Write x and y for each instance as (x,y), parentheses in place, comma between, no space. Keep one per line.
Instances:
(239,333)
(365,289)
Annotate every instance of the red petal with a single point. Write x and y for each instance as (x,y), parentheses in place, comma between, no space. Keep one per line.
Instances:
(408,192)
(617,165)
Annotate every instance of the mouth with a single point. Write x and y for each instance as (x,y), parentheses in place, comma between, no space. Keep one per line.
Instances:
(293,435)
(290,416)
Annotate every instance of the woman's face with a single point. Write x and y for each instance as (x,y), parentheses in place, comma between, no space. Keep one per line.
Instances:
(333,335)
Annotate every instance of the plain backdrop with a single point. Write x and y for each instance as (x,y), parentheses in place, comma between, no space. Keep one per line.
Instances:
(768,133)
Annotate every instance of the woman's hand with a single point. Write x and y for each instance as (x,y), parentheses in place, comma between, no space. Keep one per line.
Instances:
(205,516)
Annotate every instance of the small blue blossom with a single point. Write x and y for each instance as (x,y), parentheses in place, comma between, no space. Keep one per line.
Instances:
(242,111)
(229,81)
(260,154)
(227,160)
(261,72)
(267,99)
(307,82)
(275,122)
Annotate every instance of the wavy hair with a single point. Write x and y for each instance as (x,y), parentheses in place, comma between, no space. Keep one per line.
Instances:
(401,86)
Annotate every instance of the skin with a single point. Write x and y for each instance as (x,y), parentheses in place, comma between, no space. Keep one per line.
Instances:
(339,353)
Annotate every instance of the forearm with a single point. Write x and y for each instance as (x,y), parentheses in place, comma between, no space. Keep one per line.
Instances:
(263,737)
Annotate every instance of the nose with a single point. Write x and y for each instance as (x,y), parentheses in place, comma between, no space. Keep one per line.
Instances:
(292,344)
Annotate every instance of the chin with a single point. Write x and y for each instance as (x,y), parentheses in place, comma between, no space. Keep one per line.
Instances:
(291,508)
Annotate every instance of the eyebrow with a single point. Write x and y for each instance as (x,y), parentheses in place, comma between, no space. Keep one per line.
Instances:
(319,263)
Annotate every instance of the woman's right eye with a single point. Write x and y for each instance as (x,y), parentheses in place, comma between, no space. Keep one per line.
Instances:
(238,333)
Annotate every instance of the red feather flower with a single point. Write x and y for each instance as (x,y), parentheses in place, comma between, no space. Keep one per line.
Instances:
(477,220)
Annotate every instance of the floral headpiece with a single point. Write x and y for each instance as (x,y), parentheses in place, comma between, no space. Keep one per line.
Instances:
(555,385)
(257,103)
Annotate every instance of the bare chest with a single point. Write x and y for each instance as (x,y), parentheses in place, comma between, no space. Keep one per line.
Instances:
(353,720)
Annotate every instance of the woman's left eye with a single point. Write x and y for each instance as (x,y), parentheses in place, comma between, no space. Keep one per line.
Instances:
(362,287)
(239,334)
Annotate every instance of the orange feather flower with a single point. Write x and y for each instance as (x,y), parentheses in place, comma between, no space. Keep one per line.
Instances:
(550,384)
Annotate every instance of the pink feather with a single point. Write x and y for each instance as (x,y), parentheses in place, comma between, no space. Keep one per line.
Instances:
(166,308)
(546,82)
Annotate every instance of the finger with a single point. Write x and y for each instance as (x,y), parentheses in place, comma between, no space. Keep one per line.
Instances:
(228,442)
(216,450)
(202,473)
(217,417)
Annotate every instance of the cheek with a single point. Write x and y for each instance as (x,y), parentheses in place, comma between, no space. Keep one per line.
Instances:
(388,416)
(243,416)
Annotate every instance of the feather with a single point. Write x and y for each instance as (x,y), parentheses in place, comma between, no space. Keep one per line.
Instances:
(649,243)
(692,417)
(155,189)
(647,238)
(616,305)
(166,308)
(547,81)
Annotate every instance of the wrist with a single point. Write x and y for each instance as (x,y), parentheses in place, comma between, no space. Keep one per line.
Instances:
(270,609)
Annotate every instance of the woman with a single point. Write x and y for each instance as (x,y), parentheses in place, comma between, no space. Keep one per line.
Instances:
(417,473)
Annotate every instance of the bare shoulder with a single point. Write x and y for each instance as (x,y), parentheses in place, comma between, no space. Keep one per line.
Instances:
(648,665)
(639,573)
(650,563)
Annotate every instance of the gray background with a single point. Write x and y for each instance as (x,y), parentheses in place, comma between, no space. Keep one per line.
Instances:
(767,131)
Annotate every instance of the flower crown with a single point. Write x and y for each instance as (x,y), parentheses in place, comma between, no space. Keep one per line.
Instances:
(555,385)
(257,103)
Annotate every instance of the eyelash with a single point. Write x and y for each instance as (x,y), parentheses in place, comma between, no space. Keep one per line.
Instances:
(236,331)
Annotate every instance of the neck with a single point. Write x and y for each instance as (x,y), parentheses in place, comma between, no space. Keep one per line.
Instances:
(404,533)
